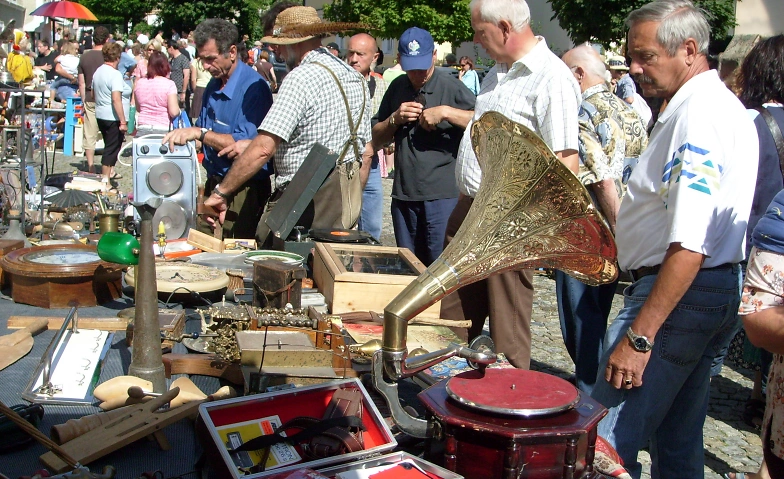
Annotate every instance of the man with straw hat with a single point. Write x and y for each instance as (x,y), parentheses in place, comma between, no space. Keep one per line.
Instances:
(319,102)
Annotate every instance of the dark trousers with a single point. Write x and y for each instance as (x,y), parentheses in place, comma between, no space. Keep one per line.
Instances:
(112,141)
(245,208)
(583,311)
(507,298)
(420,226)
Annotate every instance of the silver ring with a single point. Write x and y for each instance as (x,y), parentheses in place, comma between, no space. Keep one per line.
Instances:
(628,382)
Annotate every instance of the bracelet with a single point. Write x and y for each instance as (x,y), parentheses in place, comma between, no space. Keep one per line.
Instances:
(392,119)
(218,192)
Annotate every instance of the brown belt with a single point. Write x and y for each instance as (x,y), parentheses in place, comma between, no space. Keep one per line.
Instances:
(639,273)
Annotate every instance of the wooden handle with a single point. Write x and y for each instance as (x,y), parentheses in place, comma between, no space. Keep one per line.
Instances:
(38,326)
(17,336)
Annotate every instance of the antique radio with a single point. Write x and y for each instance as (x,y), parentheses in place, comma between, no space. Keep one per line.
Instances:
(171,175)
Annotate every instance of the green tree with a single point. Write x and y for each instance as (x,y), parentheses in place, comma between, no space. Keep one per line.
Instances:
(120,13)
(603,20)
(446,20)
(186,15)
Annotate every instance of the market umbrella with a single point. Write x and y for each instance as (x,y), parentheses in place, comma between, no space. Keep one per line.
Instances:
(67,198)
(64,9)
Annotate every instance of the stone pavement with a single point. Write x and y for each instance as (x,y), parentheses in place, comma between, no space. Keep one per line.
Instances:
(730,445)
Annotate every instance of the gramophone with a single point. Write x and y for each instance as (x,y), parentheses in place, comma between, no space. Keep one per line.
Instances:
(530,212)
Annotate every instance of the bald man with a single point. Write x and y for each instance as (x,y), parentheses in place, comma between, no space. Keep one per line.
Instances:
(612,136)
(362,56)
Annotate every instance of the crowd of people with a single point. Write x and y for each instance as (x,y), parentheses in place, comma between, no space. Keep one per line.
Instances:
(682,188)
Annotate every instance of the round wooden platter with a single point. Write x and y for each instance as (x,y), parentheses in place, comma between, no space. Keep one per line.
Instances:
(58,276)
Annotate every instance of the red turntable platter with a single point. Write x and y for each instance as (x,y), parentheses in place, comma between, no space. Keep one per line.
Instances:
(513,392)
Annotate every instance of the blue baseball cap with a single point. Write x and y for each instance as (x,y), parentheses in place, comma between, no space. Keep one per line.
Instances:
(416,49)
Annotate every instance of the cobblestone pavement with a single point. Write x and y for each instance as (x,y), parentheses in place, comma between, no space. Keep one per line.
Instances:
(730,445)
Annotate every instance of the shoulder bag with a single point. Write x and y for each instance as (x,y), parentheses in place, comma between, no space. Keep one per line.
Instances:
(776,132)
(338,202)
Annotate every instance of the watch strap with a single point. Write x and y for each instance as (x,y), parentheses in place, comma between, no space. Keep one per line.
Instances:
(203,134)
(221,194)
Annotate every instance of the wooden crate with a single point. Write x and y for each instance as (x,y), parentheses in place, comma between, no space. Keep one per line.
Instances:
(347,291)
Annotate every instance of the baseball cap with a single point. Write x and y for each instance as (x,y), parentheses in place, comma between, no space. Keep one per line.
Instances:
(416,49)
(333,46)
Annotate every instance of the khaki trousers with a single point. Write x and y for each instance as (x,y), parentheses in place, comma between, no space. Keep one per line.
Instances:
(507,298)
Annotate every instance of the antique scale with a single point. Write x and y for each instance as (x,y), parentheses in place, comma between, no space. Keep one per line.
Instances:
(530,211)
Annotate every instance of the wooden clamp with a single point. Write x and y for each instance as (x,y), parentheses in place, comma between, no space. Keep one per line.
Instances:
(141,420)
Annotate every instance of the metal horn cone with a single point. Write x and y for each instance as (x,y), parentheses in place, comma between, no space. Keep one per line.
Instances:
(531,211)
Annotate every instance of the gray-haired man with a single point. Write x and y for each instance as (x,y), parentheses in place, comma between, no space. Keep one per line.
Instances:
(680,234)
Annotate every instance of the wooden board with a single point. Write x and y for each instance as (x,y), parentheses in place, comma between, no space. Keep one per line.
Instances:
(346,291)
(55,322)
(205,242)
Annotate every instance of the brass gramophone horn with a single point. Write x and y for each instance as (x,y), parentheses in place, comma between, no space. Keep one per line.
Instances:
(530,212)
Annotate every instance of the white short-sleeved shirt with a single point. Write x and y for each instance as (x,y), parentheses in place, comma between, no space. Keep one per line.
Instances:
(694,183)
(107,79)
(539,92)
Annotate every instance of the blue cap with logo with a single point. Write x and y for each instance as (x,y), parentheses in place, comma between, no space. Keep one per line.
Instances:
(416,49)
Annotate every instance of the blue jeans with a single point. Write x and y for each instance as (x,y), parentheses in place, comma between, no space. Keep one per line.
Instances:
(421,226)
(583,311)
(668,411)
(372,202)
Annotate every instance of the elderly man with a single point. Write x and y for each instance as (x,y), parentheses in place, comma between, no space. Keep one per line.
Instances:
(533,87)
(425,113)
(323,100)
(362,56)
(611,136)
(680,235)
(233,105)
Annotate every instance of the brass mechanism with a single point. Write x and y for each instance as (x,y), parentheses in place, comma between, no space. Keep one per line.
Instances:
(531,211)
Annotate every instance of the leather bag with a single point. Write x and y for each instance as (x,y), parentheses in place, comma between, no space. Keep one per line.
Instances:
(338,203)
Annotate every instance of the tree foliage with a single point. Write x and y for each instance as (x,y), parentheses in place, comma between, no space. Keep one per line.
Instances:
(186,15)
(446,20)
(602,21)
(120,12)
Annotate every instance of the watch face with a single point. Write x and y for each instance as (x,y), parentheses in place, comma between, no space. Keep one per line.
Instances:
(63,257)
(641,344)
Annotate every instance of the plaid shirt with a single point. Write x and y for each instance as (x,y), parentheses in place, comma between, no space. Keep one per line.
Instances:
(310,109)
(539,92)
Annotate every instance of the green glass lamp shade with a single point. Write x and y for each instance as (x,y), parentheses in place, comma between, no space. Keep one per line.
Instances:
(121,248)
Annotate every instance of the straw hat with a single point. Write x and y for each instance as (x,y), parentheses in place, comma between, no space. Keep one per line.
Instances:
(297,24)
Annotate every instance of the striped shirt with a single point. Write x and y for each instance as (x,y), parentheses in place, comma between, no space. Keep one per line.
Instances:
(309,109)
(539,92)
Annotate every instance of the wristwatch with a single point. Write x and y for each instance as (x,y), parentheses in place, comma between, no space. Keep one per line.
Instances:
(392,119)
(203,134)
(220,193)
(639,343)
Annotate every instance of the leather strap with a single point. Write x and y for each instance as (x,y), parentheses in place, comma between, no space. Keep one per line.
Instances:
(352,140)
(310,427)
(778,138)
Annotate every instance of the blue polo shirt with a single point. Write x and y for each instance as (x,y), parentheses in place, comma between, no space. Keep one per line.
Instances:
(237,109)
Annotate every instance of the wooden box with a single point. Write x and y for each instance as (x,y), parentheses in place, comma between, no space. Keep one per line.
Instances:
(276,284)
(219,422)
(377,275)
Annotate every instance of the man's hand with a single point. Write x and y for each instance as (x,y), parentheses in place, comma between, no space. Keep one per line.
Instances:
(234,150)
(431,117)
(124,127)
(408,112)
(626,363)
(219,205)
(181,136)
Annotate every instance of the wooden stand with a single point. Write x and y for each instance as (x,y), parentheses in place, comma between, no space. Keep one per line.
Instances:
(479,445)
